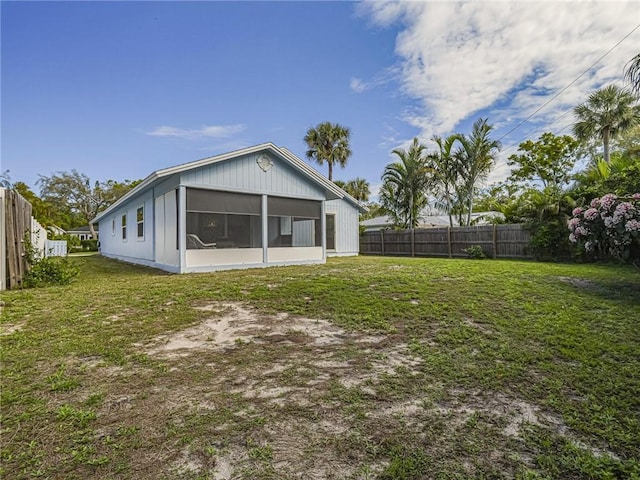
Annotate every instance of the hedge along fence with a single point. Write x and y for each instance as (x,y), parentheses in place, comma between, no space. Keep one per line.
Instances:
(497,241)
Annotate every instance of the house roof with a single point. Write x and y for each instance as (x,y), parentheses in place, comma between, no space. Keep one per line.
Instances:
(82,229)
(331,188)
(386,221)
(428,220)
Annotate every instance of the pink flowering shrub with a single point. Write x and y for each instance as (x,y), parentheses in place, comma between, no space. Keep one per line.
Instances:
(610,226)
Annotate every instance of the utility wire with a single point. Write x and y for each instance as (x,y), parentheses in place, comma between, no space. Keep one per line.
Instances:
(574,81)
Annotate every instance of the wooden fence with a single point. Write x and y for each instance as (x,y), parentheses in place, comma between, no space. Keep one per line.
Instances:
(497,241)
(16,222)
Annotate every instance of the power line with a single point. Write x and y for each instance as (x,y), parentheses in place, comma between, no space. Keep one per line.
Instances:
(574,81)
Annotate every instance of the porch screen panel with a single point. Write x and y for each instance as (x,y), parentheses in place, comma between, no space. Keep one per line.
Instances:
(293,207)
(222,202)
(223,220)
(294,223)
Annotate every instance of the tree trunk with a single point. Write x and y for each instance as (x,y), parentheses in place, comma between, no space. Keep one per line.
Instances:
(449,207)
(94,235)
(470,206)
(330,171)
(605,140)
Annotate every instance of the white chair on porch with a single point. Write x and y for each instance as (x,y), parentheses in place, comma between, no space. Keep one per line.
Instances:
(194,242)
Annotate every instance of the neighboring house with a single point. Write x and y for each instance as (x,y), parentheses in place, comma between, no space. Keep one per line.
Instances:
(255,207)
(83,233)
(430,221)
(385,221)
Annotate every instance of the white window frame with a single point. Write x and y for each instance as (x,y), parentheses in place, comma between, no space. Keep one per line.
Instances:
(138,222)
(123,227)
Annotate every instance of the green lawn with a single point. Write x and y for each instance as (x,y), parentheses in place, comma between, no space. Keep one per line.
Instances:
(363,368)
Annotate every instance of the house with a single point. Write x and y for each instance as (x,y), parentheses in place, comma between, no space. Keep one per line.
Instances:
(83,233)
(255,207)
(430,221)
(383,222)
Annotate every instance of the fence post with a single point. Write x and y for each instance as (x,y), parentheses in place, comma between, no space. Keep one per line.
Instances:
(449,240)
(495,241)
(413,242)
(382,241)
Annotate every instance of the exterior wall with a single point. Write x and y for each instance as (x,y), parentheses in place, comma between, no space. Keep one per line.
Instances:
(245,175)
(162,248)
(111,242)
(226,256)
(166,230)
(347,227)
(294,254)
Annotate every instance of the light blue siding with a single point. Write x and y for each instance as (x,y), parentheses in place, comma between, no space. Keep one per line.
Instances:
(244,174)
(111,241)
(159,197)
(347,226)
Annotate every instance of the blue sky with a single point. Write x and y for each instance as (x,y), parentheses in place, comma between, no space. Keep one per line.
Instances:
(117,90)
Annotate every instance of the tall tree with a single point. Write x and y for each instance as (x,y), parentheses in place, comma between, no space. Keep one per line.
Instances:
(74,192)
(607,113)
(632,74)
(405,183)
(446,171)
(358,188)
(328,143)
(476,158)
(548,160)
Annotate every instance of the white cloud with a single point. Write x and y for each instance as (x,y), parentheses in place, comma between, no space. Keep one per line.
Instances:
(206,131)
(358,85)
(504,60)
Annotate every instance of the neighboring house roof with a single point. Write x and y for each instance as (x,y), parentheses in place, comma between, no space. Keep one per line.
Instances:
(386,221)
(333,191)
(83,229)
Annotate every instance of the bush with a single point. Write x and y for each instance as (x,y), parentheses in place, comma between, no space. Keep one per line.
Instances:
(549,239)
(50,271)
(89,245)
(475,252)
(609,227)
(44,271)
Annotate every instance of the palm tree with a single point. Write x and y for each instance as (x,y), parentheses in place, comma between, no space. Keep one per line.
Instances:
(606,114)
(358,188)
(475,160)
(405,182)
(446,170)
(632,74)
(328,142)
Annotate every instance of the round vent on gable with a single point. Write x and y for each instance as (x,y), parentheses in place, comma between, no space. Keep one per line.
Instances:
(264,163)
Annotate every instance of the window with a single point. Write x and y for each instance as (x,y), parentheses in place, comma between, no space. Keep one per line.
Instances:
(331,231)
(223,220)
(294,223)
(140,221)
(124,226)
(113,227)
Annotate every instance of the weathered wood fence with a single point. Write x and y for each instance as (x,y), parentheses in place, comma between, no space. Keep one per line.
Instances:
(16,222)
(497,241)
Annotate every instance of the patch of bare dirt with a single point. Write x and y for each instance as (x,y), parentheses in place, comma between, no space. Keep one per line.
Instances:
(580,283)
(234,324)
(9,328)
